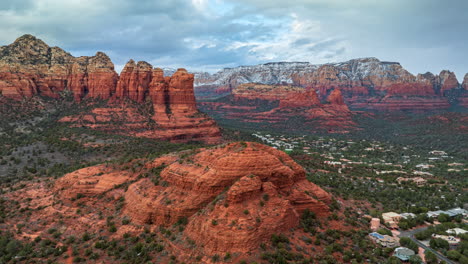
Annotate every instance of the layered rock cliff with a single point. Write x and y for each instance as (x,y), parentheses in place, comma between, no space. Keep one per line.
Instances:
(30,67)
(365,83)
(225,186)
(169,111)
(284,106)
(134,81)
(142,101)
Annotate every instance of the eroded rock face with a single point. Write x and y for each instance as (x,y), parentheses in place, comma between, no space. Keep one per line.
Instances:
(253,191)
(233,196)
(30,67)
(447,81)
(336,98)
(465,82)
(90,181)
(253,91)
(170,114)
(134,81)
(307,98)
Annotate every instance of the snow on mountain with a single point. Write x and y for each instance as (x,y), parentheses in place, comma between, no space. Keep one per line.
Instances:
(284,72)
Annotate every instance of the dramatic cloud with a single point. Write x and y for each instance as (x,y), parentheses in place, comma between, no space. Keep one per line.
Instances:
(424,35)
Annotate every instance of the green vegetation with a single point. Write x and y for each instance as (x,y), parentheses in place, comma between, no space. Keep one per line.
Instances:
(44,149)
(407,242)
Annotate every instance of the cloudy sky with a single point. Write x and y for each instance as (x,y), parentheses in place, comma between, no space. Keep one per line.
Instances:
(424,35)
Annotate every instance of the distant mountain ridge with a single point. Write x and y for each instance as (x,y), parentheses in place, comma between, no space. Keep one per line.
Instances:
(267,73)
(30,67)
(365,83)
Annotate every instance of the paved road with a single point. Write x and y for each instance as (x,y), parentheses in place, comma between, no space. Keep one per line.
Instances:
(411,233)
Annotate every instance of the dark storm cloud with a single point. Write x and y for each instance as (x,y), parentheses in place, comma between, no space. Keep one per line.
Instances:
(208,34)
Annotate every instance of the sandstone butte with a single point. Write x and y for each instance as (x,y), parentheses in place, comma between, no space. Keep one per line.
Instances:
(234,196)
(29,67)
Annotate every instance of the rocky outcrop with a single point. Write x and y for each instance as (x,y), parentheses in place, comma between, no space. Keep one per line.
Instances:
(335,98)
(234,197)
(134,81)
(90,181)
(300,99)
(231,198)
(175,109)
(169,114)
(447,81)
(30,67)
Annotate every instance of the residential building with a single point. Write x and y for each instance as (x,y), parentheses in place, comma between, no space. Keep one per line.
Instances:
(333,163)
(432,214)
(438,152)
(422,173)
(453,241)
(451,212)
(384,240)
(456,231)
(375,224)
(456,211)
(388,172)
(391,219)
(424,166)
(417,180)
(407,215)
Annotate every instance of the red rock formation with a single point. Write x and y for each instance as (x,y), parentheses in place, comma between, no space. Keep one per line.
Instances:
(102,78)
(447,81)
(175,118)
(233,178)
(30,67)
(90,181)
(159,92)
(280,104)
(465,82)
(390,103)
(180,92)
(307,98)
(134,81)
(336,98)
(253,91)
(410,89)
